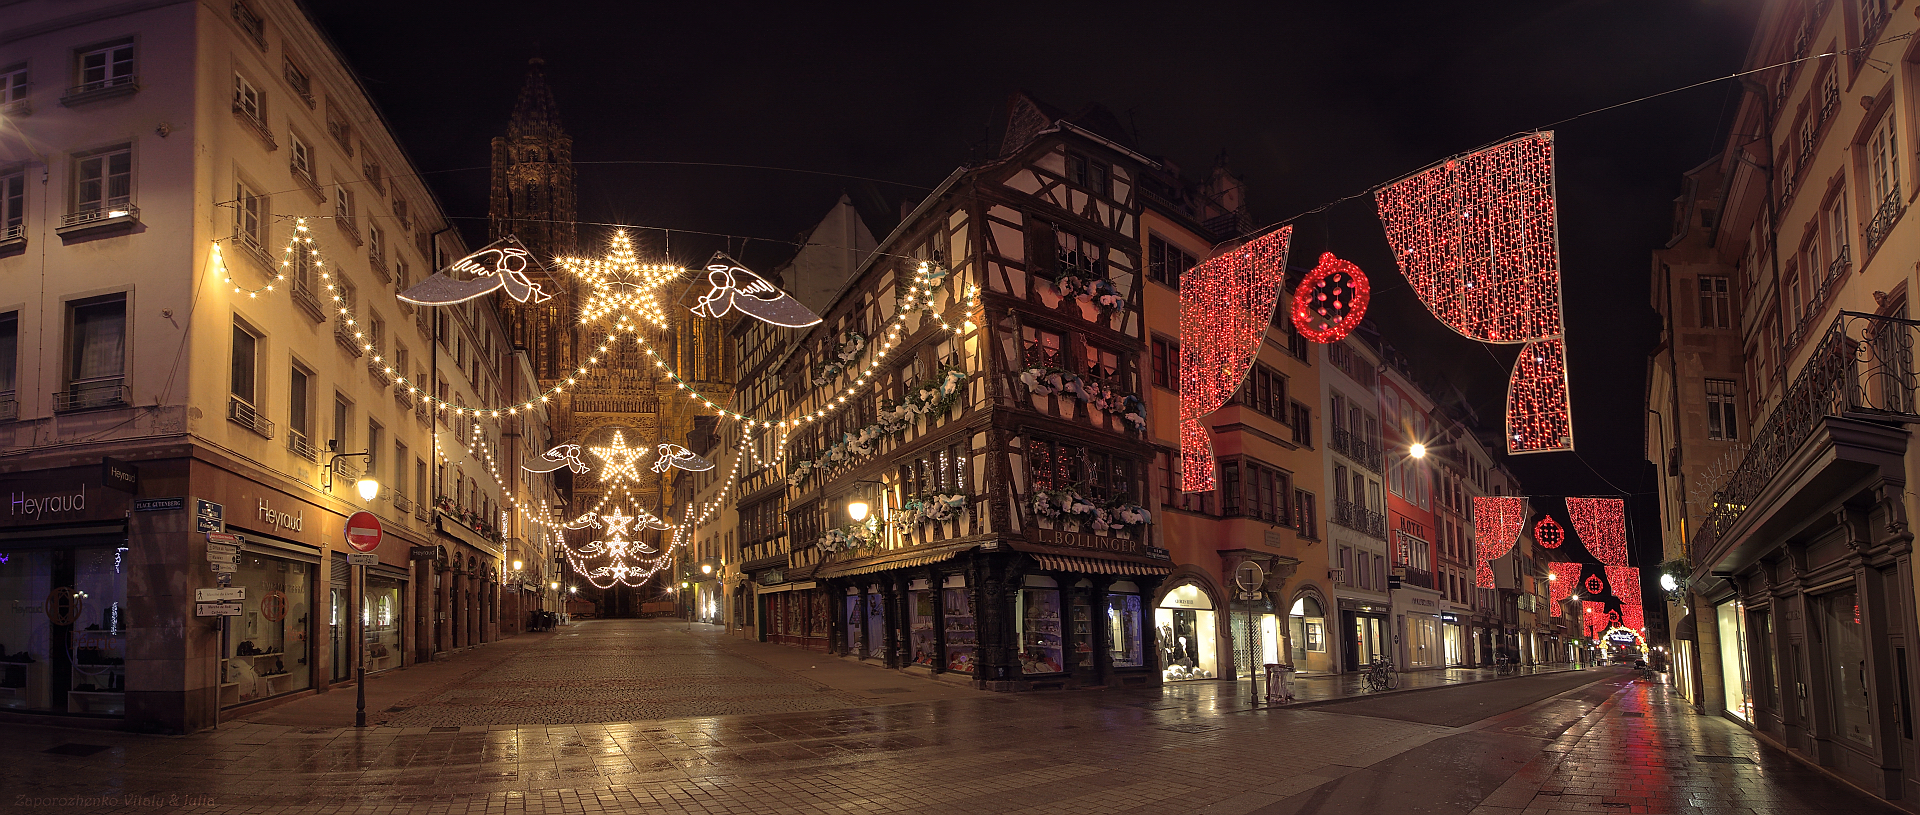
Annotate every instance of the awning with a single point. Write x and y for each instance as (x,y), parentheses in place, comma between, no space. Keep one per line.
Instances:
(454,529)
(1094,565)
(1688,629)
(871,565)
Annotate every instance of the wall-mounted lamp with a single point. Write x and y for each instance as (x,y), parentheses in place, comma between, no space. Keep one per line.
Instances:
(860,501)
(368,488)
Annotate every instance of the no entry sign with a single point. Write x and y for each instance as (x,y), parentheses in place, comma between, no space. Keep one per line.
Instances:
(363,531)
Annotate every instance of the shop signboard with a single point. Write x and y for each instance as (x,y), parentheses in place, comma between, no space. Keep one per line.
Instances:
(159,504)
(1083,540)
(423,553)
(119,475)
(216,609)
(209,516)
(216,595)
(1159,553)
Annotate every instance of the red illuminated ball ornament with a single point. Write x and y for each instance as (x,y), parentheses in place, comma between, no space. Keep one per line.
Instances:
(1595,585)
(1331,300)
(1548,533)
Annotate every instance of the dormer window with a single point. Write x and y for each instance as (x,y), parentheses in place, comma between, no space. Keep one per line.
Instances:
(1088,174)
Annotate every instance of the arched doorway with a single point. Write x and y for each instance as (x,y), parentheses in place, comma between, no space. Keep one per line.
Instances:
(1188,634)
(1307,623)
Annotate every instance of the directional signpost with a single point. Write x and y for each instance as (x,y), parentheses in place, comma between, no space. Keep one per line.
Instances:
(363,534)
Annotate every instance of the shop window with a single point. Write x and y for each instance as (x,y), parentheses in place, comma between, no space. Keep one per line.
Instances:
(1731,617)
(1845,655)
(956,603)
(1041,647)
(1187,634)
(876,625)
(1124,627)
(267,648)
(1307,623)
(380,619)
(922,606)
(78,668)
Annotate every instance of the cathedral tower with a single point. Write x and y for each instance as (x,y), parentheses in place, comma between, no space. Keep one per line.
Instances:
(533,200)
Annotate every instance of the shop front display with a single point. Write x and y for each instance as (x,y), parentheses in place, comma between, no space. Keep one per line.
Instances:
(921,623)
(1126,626)
(1367,635)
(1848,704)
(1187,634)
(1732,619)
(876,625)
(63,647)
(1307,624)
(1421,633)
(956,602)
(1454,639)
(1042,648)
(380,620)
(267,653)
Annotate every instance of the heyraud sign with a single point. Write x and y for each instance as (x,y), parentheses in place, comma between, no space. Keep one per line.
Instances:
(58,496)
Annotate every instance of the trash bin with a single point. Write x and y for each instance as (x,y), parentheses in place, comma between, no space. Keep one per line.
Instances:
(1279,683)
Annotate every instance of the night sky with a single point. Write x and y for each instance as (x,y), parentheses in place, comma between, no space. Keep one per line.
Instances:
(1310,105)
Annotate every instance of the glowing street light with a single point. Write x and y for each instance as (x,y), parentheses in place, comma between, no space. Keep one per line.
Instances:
(1418,450)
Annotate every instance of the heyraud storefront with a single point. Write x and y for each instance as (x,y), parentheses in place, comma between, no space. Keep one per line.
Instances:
(99,567)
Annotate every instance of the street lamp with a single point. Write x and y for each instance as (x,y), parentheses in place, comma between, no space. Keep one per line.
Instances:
(573,589)
(706,568)
(367,487)
(1418,450)
(517,565)
(858,504)
(1667,582)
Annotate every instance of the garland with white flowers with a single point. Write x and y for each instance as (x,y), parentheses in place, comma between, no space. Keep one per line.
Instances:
(926,399)
(848,538)
(1070,505)
(1043,380)
(851,344)
(1099,290)
(935,508)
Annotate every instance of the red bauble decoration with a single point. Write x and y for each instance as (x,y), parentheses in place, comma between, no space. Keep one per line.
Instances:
(1548,533)
(1331,300)
(1478,240)
(1226,305)
(1496,522)
(1596,586)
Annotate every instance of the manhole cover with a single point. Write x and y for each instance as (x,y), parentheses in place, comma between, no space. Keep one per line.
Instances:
(1190,728)
(1633,715)
(72,749)
(443,730)
(1723,759)
(889,690)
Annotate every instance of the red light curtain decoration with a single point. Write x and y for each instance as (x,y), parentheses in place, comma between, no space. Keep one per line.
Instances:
(1477,238)
(1593,618)
(1226,305)
(1496,522)
(1601,524)
(1566,580)
(1625,583)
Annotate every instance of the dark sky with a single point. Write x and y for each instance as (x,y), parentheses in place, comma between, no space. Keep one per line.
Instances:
(1312,102)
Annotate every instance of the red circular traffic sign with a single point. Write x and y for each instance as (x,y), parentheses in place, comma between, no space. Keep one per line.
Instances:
(363,531)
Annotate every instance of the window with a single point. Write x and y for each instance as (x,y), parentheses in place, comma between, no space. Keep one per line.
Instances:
(400,468)
(1266,391)
(248,209)
(343,205)
(402,277)
(105,66)
(99,351)
(420,482)
(1883,179)
(370,168)
(375,439)
(1836,228)
(297,79)
(1043,348)
(1254,490)
(250,22)
(13,205)
(1716,306)
(246,98)
(103,179)
(376,248)
(1088,174)
(1305,518)
(1794,297)
(246,359)
(299,404)
(1077,255)
(342,415)
(1166,364)
(1302,425)
(376,331)
(338,128)
(1101,364)
(13,83)
(9,354)
(1720,423)
(1166,262)
(300,159)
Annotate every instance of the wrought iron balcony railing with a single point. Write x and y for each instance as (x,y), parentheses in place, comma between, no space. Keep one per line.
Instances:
(1862,369)
(300,445)
(1823,293)
(1883,218)
(104,392)
(241,413)
(1360,519)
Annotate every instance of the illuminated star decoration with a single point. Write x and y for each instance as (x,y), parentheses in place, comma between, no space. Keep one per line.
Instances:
(620,459)
(1497,520)
(1226,305)
(1478,240)
(501,265)
(620,284)
(734,287)
(1331,300)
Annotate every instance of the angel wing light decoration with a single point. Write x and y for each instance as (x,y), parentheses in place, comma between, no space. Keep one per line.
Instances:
(502,264)
(734,287)
(673,455)
(564,455)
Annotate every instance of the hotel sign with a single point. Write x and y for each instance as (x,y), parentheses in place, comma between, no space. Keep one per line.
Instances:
(1097,543)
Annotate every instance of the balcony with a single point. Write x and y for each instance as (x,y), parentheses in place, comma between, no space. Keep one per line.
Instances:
(251,118)
(404,397)
(1417,577)
(1822,294)
(401,503)
(348,337)
(379,265)
(423,414)
(112,216)
(344,220)
(9,409)
(1862,370)
(243,414)
(299,445)
(109,88)
(309,302)
(304,177)
(97,394)
(1363,452)
(13,237)
(382,375)
(1360,519)
(1883,219)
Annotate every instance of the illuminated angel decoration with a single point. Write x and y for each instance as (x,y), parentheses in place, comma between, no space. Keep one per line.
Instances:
(501,265)
(673,455)
(565,455)
(736,288)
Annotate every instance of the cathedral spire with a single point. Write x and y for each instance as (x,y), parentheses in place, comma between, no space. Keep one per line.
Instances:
(535,115)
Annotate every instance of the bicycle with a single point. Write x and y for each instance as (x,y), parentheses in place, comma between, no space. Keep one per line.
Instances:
(1380,676)
(1504,666)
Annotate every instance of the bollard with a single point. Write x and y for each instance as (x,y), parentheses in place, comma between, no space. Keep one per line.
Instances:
(1279,683)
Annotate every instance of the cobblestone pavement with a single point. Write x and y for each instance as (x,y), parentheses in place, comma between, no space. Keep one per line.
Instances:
(1194,748)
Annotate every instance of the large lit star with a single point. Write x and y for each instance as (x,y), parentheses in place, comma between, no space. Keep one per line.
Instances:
(619,282)
(621,460)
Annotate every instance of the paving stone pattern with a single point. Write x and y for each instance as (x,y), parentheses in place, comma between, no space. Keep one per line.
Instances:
(1193,749)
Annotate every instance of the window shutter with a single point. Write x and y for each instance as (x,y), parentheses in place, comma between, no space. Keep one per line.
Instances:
(1043,249)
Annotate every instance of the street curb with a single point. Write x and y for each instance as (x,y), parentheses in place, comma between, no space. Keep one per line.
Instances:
(1313,703)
